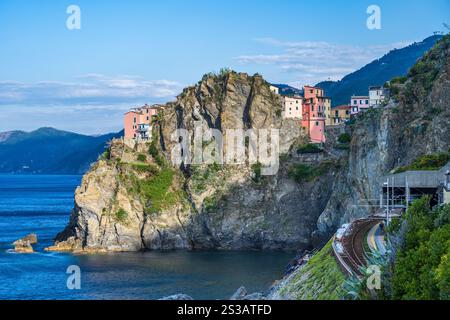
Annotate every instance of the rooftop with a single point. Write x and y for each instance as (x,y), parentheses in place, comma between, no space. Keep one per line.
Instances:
(342,107)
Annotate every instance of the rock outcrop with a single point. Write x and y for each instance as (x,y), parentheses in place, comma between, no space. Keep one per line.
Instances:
(24,245)
(134,198)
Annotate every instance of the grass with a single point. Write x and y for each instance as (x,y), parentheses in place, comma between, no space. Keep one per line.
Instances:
(433,161)
(145,168)
(156,190)
(320,279)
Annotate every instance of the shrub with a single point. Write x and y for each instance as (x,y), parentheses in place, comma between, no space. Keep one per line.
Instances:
(309,148)
(344,138)
(421,268)
(398,80)
(106,155)
(154,152)
(427,162)
(148,168)
(121,215)
(256,172)
(303,172)
(141,157)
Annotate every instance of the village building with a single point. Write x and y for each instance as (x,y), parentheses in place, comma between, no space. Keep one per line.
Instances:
(359,104)
(313,120)
(274,89)
(328,113)
(377,95)
(293,107)
(138,122)
(341,114)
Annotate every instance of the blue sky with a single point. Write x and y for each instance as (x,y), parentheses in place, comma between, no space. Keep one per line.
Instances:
(131,52)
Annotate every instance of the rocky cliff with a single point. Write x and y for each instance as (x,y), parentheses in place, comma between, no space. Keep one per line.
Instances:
(415,122)
(134,198)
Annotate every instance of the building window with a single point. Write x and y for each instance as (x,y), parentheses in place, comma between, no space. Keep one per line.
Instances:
(312,108)
(317,123)
(355,102)
(367,101)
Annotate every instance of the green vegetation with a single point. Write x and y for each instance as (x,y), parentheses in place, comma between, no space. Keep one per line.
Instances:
(141,157)
(154,152)
(309,148)
(256,167)
(345,138)
(105,155)
(422,269)
(145,168)
(121,215)
(433,161)
(303,172)
(201,176)
(156,190)
(398,80)
(320,279)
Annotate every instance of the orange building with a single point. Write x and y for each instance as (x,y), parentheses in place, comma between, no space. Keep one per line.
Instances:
(314,113)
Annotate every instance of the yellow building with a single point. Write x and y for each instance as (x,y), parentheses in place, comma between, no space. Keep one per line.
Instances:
(340,114)
(328,113)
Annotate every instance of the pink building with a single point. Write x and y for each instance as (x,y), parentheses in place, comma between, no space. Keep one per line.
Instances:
(314,113)
(138,122)
(359,103)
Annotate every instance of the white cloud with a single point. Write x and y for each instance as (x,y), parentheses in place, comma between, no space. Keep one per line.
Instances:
(311,62)
(91,103)
(90,88)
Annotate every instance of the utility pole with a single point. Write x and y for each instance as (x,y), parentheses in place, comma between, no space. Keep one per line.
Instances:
(407,192)
(387,198)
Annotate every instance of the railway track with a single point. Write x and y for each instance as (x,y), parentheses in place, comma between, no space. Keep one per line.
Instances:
(353,245)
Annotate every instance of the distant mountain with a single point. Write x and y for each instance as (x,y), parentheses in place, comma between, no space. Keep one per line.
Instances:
(50,151)
(288,90)
(395,63)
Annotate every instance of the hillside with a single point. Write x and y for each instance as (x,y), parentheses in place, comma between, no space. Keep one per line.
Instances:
(50,151)
(416,122)
(395,63)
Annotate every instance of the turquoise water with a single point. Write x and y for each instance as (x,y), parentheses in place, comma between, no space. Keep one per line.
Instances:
(42,204)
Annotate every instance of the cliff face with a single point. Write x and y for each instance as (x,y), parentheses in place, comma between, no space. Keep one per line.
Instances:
(415,122)
(136,199)
(127,203)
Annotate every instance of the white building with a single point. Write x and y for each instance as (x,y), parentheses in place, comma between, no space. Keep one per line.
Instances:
(377,95)
(293,107)
(274,89)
